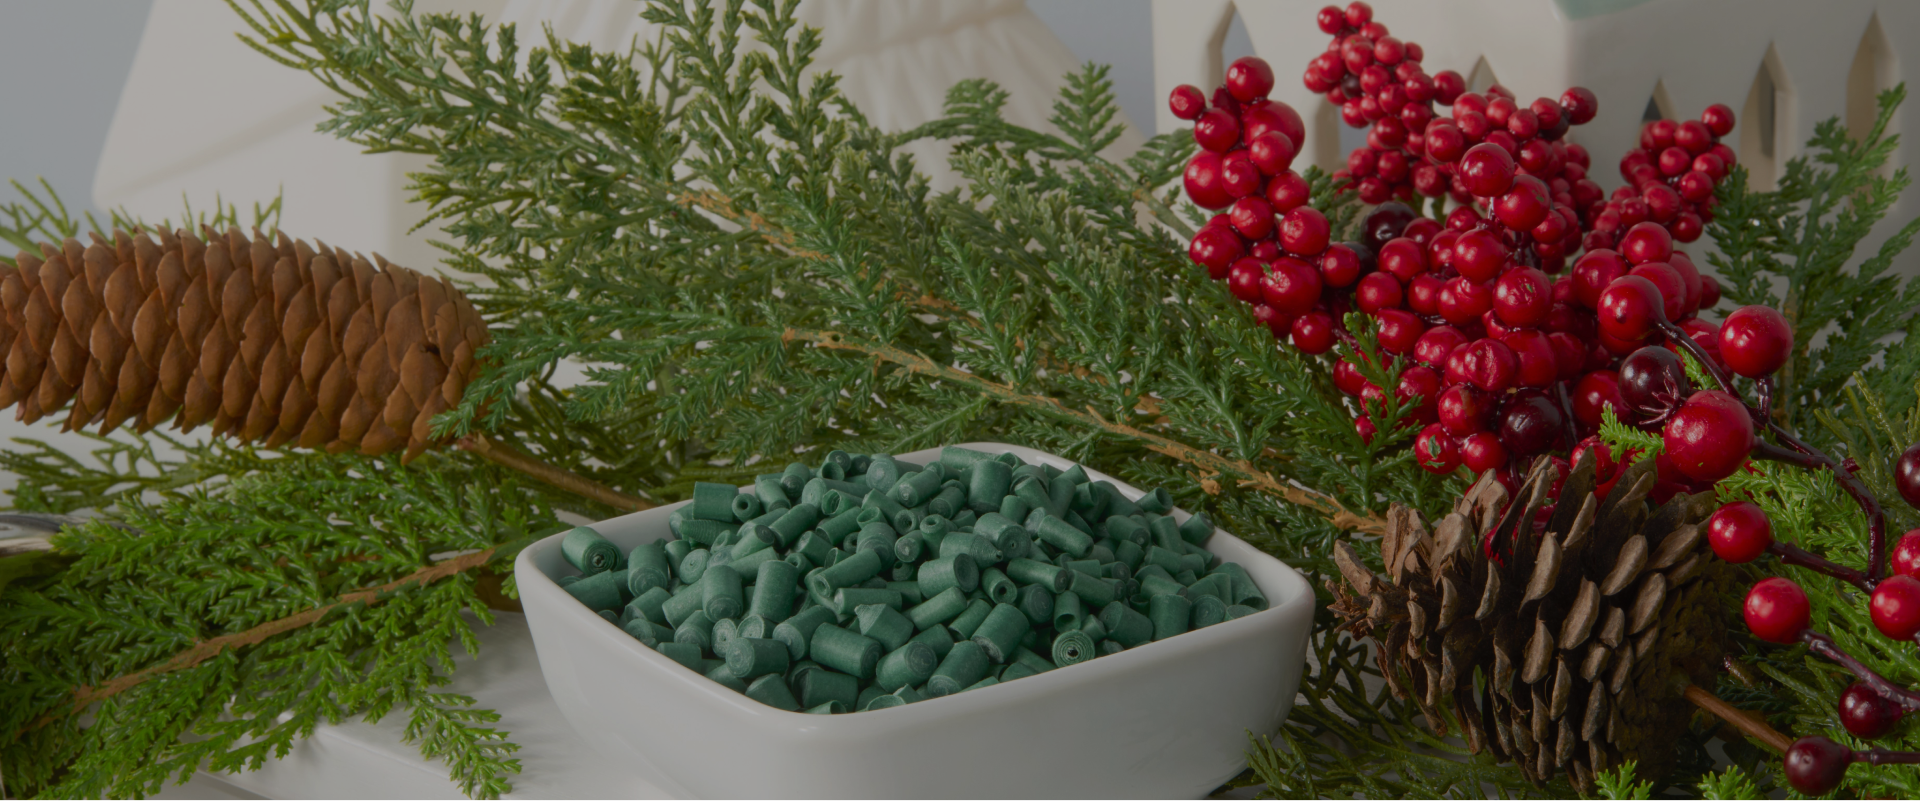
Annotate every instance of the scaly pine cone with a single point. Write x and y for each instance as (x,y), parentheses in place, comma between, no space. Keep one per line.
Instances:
(275,342)
(1584,633)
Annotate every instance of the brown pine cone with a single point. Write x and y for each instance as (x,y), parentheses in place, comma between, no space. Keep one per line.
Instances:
(264,341)
(1584,632)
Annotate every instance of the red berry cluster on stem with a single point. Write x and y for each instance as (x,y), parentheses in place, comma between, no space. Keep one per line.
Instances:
(1670,179)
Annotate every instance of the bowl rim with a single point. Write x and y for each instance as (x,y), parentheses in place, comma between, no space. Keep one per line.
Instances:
(1293,590)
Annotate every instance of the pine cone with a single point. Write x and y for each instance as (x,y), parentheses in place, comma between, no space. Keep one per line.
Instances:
(275,342)
(1584,632)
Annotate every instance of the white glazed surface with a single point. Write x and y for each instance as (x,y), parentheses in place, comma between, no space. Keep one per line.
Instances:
(1165,719)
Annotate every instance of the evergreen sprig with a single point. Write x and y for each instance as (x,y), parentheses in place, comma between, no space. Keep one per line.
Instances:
(1790,248)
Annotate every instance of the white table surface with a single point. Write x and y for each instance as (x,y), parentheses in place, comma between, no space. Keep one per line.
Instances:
(361,760)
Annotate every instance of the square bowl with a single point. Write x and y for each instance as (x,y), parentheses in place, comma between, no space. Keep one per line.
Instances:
(1163,719)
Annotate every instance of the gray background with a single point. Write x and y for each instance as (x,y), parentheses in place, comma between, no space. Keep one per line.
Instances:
(63,62)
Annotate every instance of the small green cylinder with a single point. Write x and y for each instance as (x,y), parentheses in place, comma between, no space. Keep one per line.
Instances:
(774,692)
(882,472)
(909,665)
(937,575)
(746,506)
(713,501)
(648,606)
(1126,626)
(1155,581)
(829,708)
(1196,529)
(694,566)
(849,571)
(647,568)
(1072,648)
(1165,533)
(586,550)
(686,654)
(724,632)
(821,687)
(963,666)
(939,638)
(1026,657)
(909,590)
(697,629)
(1017,671)
(1000,589)
(795,478)
(848,599)
(914,489)
(971,544)
(1037,604)
(773,588)
(1207,610)
(1068,611)
(750,658)
(880,538)
(1156,500)
(677,550)
(754,626)
(1237,611)
(1028,571)
(1218,585)
(797,521)
(815,546)
(1109,647)
(772,496)
(845,651)
(885,625)
(605,590)
(682,604)
(909,549)
(645,631)
(1014,508)
(720,593)
(988,485)
(1095,630)
(1000,633)
(797,632)
(942,607)
(951,501)
(1059,533)
(1170,615)
(970,619)
(1096,592)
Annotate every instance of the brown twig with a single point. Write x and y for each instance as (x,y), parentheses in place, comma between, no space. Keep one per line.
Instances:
(85,696)
(1205,460)
(505,455)
(1748,723)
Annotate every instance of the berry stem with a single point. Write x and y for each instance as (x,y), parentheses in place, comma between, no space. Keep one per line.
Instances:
(1748,723)
(1825,646)
(1705,359)
(1881,756)
(1763,387)
(1793,555)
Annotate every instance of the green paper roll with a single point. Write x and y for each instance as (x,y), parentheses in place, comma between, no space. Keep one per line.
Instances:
(971,544)
(1029,571)
(682,604)
(794,478)
(999,588)
(1196,529)
(647,568)
(725,678)
(773,587)
(959,571)
(1059,533)
(601,591)
(988,485)
(1017,671)
(914,489)
(1060,496)
(1000,633)
(882,472)
(1036,604)
(970,619)
(937,637)
(908,549)
(1096,592)
(713,501)
(1156,500)
(754,626)
(964,666)
(1170,615)
(795,522)
(829,708)
(720,593)
(645,631)
(1166,534)
(773,691)
(849,571)
(1126,529)
(724,633)
(847,599)
(589,552)
(687,655)
(939,609)
(609,616)
(750,564)
(1207,610)
(1068,611)
(707,532)
(1072,648)
(771,494)
(909,590)
(885,625)
(880,538)
(1129,553)
(950,502)
(796,632)
(648,606)
(1096,631)
(1109,648)
(845,651)
(1237,611)
(910,664)
(1126,626)
(696,630)
(1014,508)
(750,658)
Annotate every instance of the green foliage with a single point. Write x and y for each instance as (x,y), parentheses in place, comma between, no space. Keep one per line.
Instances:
(291,534)
(1727,785)
(34,219)
(1618,783)
(1790,249)
(1622,439)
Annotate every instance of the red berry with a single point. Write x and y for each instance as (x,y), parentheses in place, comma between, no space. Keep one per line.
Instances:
(1867,714)
(1690,276)
(1696,186)
(1359,14)
(1267,116)
(1739,532)
(1523,297)
(1332,20)
(1709,292)
(1272,152)
(1340,266)
(1646,242)
(1304,231)
(1596,391)
(1777,610)
(1719,119)
(1286,191)
(1479,255)
(1895,607)
(1906,475)
(1187,101)
(1593,272)
(1673,289)
(1580,105)
(1487,169)
(1525,204)
(1538,365)
(1247,280)
(1653,382)
(1436,344)
(1755,341)
(1215,249)
(1377,291)
(1398,329)
(1815,765)
(1603,463)
(1238,175)
(1206,186)
(1293,286)
(1251,217)
(1266,250)
(1249,78)
(1482,452)
(1313,333)
(1906,554)
(1463,301)
(1216,130)
(1435,451)
(1278,323)
(1490,365)
(1710,437)
(1463,409)
(1365,428)
(1631,309)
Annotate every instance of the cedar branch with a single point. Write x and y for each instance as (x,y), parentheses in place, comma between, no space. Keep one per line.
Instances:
(1205,460)
(85,696)
(1746,722)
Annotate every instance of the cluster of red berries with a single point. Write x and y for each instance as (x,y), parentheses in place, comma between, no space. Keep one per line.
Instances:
(1379,84)
(1670,179)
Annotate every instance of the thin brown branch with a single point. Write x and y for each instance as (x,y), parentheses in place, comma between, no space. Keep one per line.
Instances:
(85,696)
(1747,722)
(507,456)
(1205,460)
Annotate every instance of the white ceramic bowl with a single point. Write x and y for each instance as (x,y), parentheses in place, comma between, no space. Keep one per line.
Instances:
(1165,719)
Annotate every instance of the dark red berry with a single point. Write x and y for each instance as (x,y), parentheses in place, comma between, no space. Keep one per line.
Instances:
(1595,391)
(1739,532)
(1709,437)
(1247,280)
(1531,424)
(1313,333)
(1487,169)
(1895,607)
(1491,366)
(1463,409)
(1479,255)
(1653,382)
(1631,309)
(1385,223)
(1525,204)
(1580,105)
(1867,714)
(1906,475)
(1523,297)
(1673,290)
(1538,365)
(1593,272)
(1777,610)
(1709,292)
(1238,175)
(1906,554)
(1482,452)
(1755,341)
(1187,101)
(1815,765)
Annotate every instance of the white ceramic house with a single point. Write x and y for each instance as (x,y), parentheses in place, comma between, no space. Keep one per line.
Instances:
(1782,65)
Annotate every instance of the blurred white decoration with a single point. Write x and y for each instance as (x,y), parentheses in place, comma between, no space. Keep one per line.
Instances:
(1782,65)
